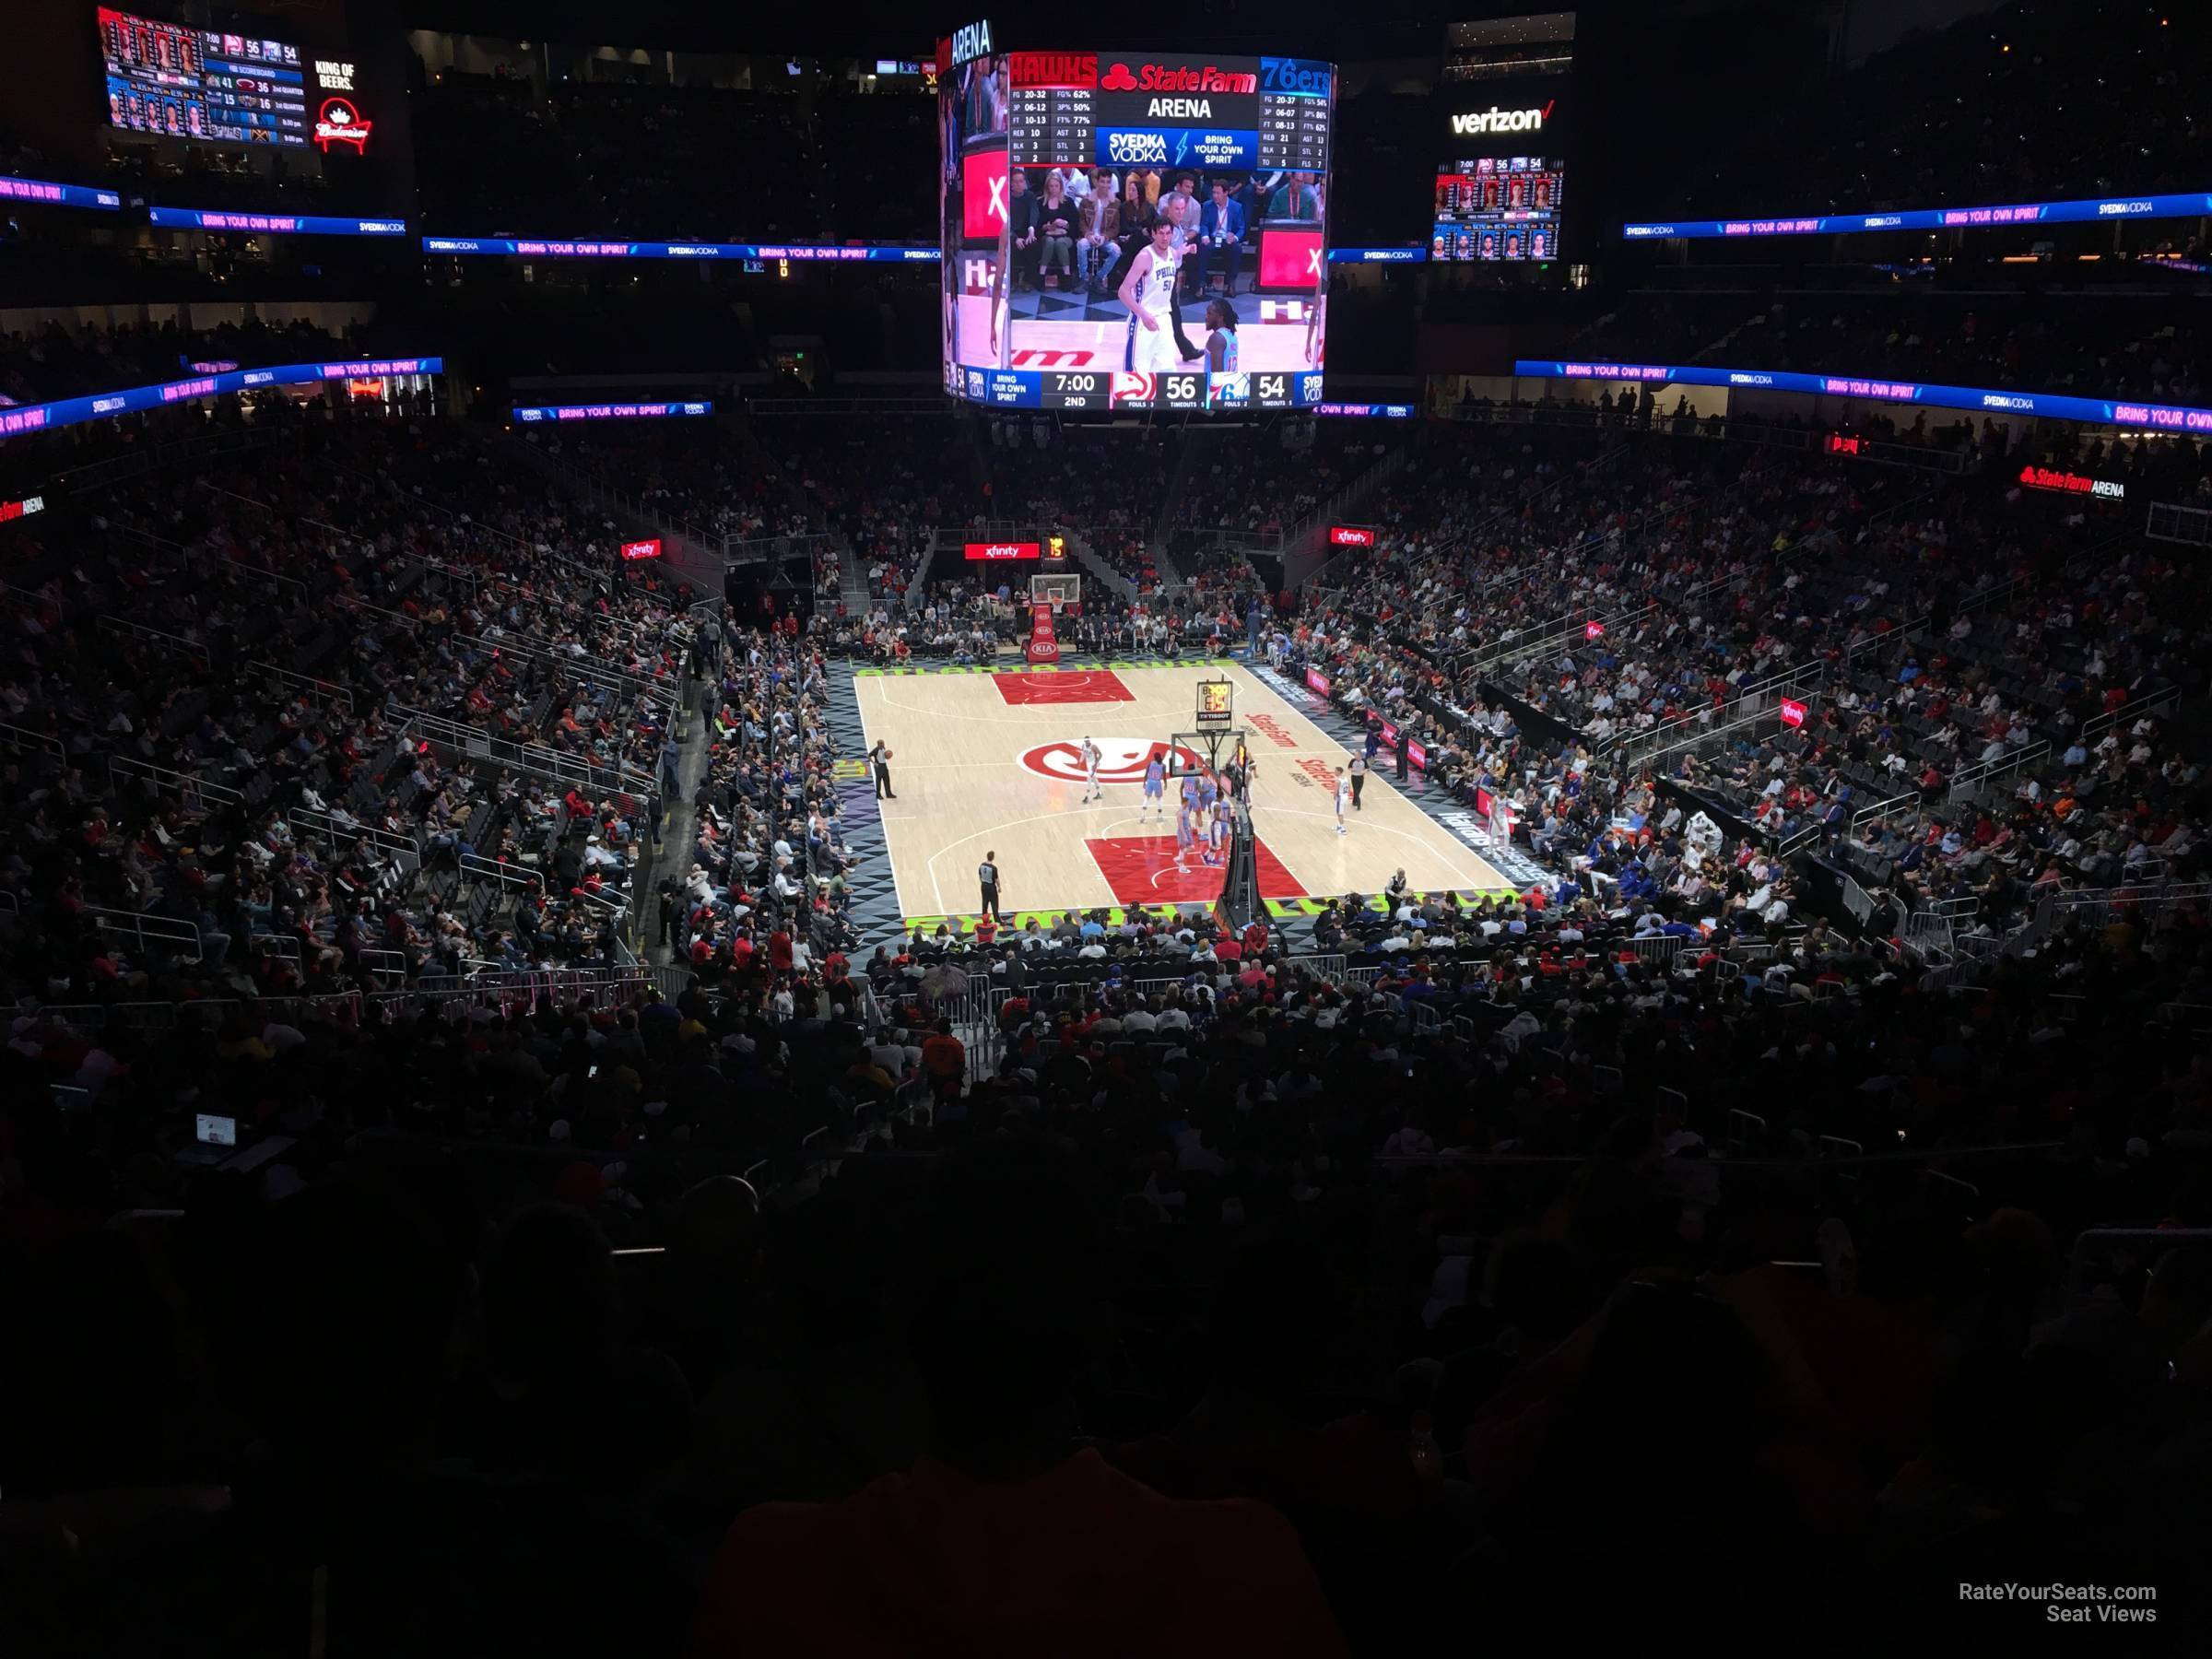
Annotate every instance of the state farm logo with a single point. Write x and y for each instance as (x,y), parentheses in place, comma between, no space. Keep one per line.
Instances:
(1173,77)
(1121,760)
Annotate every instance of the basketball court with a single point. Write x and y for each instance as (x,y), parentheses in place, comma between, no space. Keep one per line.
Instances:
(988,761)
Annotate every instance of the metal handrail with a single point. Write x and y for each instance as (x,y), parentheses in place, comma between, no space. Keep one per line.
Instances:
(464,739)
(140,631)
(22,738)
(476,867)
(324,823)
(583,668)
(164,931)
(305,682)
(164,778)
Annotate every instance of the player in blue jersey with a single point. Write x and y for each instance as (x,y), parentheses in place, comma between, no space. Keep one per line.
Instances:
(1221,343)
(1186,835)
(1155,787)
(1219,835)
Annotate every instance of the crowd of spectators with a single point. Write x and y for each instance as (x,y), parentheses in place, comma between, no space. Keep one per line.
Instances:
(55,361)
(2138,344)
(1253,1261)
(654,162)
(314,730)
(2050,101)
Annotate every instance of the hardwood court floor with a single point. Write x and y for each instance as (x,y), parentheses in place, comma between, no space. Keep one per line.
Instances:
(987,761)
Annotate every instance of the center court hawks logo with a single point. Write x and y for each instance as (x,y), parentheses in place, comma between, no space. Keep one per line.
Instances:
(1121,760)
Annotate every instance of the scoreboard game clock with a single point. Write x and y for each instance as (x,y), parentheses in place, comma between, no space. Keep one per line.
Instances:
(1020,334)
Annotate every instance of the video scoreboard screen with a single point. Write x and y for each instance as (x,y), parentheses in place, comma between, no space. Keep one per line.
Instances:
(1131,230)
(175,81)
(1502,180)
(1498,208)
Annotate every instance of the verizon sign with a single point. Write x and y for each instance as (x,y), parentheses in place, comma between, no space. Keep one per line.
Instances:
(1495,120)
(994,552)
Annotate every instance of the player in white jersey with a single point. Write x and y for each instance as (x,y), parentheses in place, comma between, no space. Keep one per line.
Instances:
(1091,755)
(1149,290)
(1343,798)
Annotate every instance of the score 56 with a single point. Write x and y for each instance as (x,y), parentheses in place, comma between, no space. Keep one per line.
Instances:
(1187,389)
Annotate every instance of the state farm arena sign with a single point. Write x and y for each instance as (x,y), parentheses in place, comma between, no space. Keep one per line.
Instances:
(1121,760)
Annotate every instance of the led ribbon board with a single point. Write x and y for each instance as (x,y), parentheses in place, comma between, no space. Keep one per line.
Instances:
(568,247)
(2084,211)
(2051,405)
(74,411)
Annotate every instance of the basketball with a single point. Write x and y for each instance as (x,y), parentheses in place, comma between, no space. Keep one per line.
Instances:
(887,754)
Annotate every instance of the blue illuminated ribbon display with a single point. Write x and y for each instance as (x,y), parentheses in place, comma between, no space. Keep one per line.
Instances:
(608,411)
(1367,411)
(558,247)
(58,196)
(1378,255)
(2088,210)
(280,224)
(2051,405)
(74,411)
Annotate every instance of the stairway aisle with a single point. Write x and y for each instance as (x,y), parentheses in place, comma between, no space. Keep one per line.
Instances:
(679,834)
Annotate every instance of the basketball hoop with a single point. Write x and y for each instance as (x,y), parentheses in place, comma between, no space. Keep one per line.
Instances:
(1050,597)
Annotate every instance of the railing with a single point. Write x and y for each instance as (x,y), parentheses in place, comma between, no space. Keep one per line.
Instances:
(1967,778)
(2066,906)
(2170,521)
(161,933)
(20,739)
(187,786)
(1562,635)
(1748,707)
(1588,417)
(481,581)
(530,758)
(585,669)
(153,458)
(475,868)
(139,631)
(353,830)
(1365,484)
(305,682)
(2096,725)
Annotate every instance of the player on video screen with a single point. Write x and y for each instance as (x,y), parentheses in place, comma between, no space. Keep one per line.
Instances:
(1149,290)
(1221,343)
